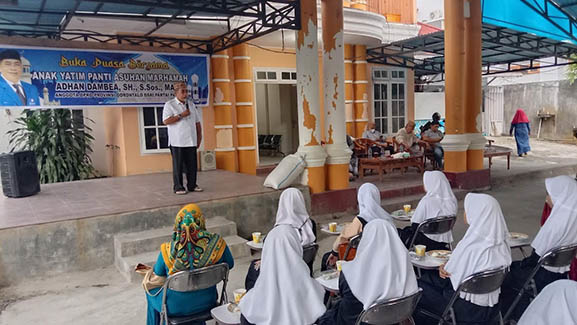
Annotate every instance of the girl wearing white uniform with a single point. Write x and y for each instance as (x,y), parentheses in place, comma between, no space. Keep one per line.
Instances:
(293,212)
(483,247)
(556,304)
(560,229)
(381,270)
(285,293)
(369,199)
(438,202)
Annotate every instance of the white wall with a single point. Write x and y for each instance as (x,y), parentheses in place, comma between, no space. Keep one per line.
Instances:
(542,75)
(7,118)
(261,109)
(426,7)
(99,155)
(428,103)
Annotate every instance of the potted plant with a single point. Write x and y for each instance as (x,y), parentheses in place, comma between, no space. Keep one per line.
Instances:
(62,143)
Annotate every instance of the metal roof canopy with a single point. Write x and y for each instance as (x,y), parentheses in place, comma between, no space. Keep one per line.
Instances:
(502,48)
(49,19)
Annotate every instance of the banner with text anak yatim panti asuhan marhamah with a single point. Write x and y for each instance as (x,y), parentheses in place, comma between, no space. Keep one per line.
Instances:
(49,78)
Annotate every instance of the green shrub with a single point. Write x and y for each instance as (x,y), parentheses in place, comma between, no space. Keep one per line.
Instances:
(61,142)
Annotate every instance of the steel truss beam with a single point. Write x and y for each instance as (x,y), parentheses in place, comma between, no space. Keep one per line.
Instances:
(266,16)
(219,7)
(521,47)
(286,17)
(542,8)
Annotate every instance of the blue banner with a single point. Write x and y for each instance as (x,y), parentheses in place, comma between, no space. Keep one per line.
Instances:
(50,78)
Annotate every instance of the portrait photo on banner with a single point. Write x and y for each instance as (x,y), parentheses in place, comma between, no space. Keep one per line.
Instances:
(67,78)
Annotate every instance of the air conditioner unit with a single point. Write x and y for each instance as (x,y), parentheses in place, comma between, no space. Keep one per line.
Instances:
(207,160)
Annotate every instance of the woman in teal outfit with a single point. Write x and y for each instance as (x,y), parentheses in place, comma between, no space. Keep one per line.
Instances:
(191,247)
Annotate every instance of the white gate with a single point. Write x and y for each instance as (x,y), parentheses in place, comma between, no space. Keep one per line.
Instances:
(494,111)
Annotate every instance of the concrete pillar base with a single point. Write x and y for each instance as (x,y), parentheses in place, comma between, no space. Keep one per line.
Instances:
(475,159)
(337,176)
(339,157)
(314,175)
(469,180)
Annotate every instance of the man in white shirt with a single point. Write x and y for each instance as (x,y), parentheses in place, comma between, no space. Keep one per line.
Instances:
(372,133)
(184,136)
(407,139)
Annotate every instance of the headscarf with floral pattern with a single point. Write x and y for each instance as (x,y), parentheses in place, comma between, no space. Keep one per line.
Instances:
(192,246)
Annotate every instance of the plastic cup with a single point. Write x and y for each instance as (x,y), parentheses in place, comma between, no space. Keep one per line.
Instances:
(420,250)
(339,265)
(238,294)
(407,208)
(256,237)
(333,227)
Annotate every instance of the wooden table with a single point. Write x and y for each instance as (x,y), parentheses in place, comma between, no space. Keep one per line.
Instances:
(495,151)
(387,164)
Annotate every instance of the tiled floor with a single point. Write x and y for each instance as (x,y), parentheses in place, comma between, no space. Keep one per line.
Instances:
(74,200)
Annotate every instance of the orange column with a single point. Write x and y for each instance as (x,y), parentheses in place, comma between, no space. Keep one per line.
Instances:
(360,83)
(349,91)
(225,151)
(308,90)
(473,86)
(455,142)
(245,127)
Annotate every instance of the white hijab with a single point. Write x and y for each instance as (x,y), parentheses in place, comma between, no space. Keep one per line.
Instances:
(561,227)
(369,198)
(556,304)
(482,248)
(381,269)
(439,201)
(284,293)
(292,211)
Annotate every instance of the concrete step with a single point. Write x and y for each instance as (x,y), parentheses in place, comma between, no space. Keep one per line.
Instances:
(237,246)
(126,264)
(150,240)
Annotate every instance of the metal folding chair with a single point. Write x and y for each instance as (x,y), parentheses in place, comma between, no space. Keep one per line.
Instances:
(435,226)
(194,280)
(391,311)
(310,253)
(556,257)
(353,243)
(479,283)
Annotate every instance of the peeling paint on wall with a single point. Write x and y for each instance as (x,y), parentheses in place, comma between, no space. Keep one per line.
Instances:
(309,122)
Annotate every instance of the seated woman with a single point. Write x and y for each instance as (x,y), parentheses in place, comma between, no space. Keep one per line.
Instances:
(483,247)
(284,293)
(381,270)
(369,199)
(547,207)
(192,247)
(293,212)
(560,229)
(554,305)
(438,202)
